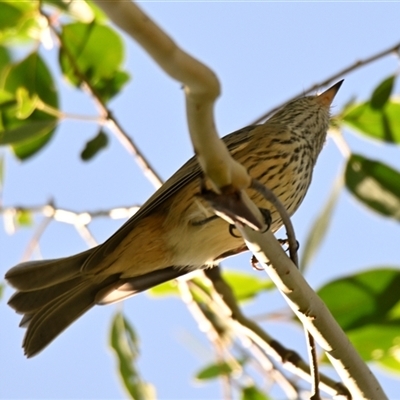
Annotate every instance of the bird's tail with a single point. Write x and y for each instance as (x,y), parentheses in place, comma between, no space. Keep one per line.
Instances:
(52,294)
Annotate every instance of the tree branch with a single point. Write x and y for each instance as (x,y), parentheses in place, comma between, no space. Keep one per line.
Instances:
(331,79)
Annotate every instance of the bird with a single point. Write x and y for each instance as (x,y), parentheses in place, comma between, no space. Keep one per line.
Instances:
(175,231)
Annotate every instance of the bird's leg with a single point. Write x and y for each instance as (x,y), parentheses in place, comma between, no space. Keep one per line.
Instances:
(284,242)
(267,218)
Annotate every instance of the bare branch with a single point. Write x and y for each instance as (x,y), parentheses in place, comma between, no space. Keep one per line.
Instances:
(201,89)
(391,50)
(314,315)
(112,122)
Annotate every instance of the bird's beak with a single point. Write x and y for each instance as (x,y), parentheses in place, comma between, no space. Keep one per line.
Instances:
(326,97)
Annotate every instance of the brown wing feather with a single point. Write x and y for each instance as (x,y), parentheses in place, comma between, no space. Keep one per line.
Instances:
(187,173)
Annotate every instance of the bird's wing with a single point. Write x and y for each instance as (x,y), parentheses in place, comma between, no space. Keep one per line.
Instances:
(187,173)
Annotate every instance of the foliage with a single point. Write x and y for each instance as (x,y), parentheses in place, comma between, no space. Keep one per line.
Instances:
(365,304)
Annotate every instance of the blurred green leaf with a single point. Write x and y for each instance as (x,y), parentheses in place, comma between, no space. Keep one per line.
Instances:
(124,342)
(26,103)
(392,361)
(253,393)
(28,81)
(23,134)
(7,100)
(77,9)
(382,124)
(320,226)
(19,21)
(97,52)
(1,290)
(169,288)
(24,218)
(213,371)
(2,167)
(374,184)
(382,93)
(94,145)
(5,59)
(109,87)
(367,307)
(246,286)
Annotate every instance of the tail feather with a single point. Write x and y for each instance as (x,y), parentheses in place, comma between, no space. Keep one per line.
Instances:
(52,294)
(28,302)
(52,319)
(33,275)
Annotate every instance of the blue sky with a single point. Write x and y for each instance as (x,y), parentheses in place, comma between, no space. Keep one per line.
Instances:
(263,54)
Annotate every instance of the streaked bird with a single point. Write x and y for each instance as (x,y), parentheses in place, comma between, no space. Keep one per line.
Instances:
(175,231)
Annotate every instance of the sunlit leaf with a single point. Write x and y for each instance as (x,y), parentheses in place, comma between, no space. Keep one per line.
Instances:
(94,145)
(213,371)
(83,55)
(320,226)
(246,286)
(367,307)
(77,9)
(169,288)
(124,342)
(375,184)
(26,103)
(31,131)
(19,21)
(382,93)
(28,131)
(380,124)
(253,393)
(109,87)
(5,59)
(24,218)
(2,168)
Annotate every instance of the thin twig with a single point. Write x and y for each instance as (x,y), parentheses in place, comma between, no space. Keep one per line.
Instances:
(86,235)
(344,71)
(312,356)
(288,358)
(114,125)
(34,242)
(70,216)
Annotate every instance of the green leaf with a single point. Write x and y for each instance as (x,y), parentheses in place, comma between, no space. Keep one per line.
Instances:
(30,131)
(109,87)
(246,286)
(253,393)
(94,145)
(124,342)
(1,290)
(368,297)
(20,21)
(320,226)
(214,371)
(78,10)
(380,124)
(9,16)
(382,93)
(169,288)
(83,55)
(367,307)
(26,103)
(24,218)
(26,129)
(2,168)
(5,59)
(375,184)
